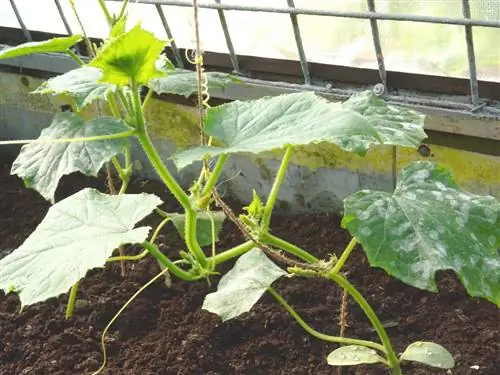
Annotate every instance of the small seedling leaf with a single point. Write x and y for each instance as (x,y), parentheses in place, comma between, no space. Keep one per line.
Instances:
(429,224)
(41,165)
(428,353)
(300,119)
(243,286)
(130,56)
(184,82)
(77,234)
(51,45)
(351,355)
(83,84)
(397,126)
(203,226)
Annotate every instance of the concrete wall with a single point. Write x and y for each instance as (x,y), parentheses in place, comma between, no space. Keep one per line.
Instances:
(318,178)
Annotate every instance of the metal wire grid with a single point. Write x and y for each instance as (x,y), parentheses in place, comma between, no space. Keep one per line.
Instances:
(372,15)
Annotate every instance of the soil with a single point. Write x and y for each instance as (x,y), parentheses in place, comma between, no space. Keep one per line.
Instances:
(164,331)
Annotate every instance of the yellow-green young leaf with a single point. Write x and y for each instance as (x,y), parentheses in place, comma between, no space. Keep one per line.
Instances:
(429,224)
(41,165)
(77,234)
(51,45)
(130,56)
(82,84)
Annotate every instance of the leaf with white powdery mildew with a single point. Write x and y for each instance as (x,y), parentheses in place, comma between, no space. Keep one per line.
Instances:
(41,165)
(77,234)
(301,119)
(184,82)
(82,84)
(243,286)
(429,224)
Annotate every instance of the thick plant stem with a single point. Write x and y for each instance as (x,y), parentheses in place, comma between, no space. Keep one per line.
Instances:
(173,186)
(214,176)
(231,253)
(345,255)
(273,195)
(75,57)
(105,11)
(177,271)
(269,239)
(123,9)
(70,308)
(374,320)
(319,335)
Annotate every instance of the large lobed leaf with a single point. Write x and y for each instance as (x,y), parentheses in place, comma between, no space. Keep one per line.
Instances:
(396,125)
(51,45)
(304,118)
(77,234)
(430,224)
(184,82)
(83,84)
(41,165)
(243,286)
(130,56)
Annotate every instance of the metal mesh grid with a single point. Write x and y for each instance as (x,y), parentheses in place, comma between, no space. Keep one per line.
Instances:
(292,11)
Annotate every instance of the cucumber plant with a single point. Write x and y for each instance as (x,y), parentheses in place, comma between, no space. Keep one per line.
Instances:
(427,224)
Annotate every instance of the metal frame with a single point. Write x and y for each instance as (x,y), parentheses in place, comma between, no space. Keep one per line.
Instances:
(476,103)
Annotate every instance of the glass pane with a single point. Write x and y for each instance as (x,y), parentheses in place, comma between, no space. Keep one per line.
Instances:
(7,15)
(31,12)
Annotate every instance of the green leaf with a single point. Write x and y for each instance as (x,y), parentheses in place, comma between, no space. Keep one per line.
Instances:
(293,119)
(184,82)
(77,234)
(351,355)
(130,56)
(82,84)
(429,224)
(203,226)
(41,165)
(242,287)
(428,353)
(51,45)
(396,125)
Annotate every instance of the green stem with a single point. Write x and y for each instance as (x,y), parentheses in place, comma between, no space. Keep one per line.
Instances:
(104,8)
(153,156)
(177,271)
(232,253)
(75,57)
(158,229)
(113,105)
(269,239)
(124,7)
(146,100)
(273,195)
(345,255)
(128,257)
(374,320)
(173,186)
(214,175)
(127,171)
(70,308)
(124,134)
(125,102)
(319,335)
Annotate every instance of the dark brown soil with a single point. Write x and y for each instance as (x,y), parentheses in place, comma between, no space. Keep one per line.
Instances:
(164,331)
